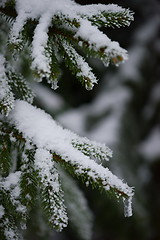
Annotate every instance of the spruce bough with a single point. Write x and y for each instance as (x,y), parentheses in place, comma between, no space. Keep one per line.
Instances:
(34,149)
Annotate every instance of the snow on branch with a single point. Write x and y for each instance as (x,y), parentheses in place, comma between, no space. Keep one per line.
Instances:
(12,84)
(42,131)
(43,34)
(77,24)
(50,189)
(99,151)
(98,41)
(10,196)
(39,54)
(11,184)
(6,95)
(77,63)
(109,15)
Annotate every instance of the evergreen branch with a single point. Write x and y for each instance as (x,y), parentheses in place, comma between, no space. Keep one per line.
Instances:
(6,18)
(63,20)
(105,55)
(9,203)
(19,86)
(54,139)
(107,51)
(111,19)
(50,190)
(54,66)
(31,141)
(6,95)
(100,19)
(77,64)
(7,103)
(99,42)
(90,175)
(5,151)
(41,58)
(8,227)
(10,197)
(28,180)
(53,73)
(100,152)
(11,133)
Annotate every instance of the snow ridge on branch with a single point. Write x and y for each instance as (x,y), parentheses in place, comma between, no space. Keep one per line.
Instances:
(41,130)
(77,26)
(43,34)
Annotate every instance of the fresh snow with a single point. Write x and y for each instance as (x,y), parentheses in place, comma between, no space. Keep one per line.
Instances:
(99,40)
(35,8)
(39,55)
(84,70)
(37,127)
(40,129)
(44,164)
(44,11)
(50,179)
(11,184)
(6,96)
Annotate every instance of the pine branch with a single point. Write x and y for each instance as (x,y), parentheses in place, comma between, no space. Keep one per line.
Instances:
(54,66)
(5,151)
(8,228)
(72,25)
(61,20)
(6,18)
(28,180)
(100,152)
(6,95)
(10,198)
(80,164)
(90,175)
(19,86)
(102,53)
(111,19)
(50,190)
(32,143)
(77,64)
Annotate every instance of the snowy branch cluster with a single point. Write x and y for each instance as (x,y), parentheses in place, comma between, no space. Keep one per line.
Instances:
(33,145)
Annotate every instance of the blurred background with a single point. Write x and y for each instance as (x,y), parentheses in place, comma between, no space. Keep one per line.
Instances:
(123,111)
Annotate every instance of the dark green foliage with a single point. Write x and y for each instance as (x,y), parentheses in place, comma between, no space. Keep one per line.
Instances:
(32,49)
(19,86)
(28,180)
(5,151)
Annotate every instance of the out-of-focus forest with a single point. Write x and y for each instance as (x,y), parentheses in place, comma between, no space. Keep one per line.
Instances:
(123,111)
